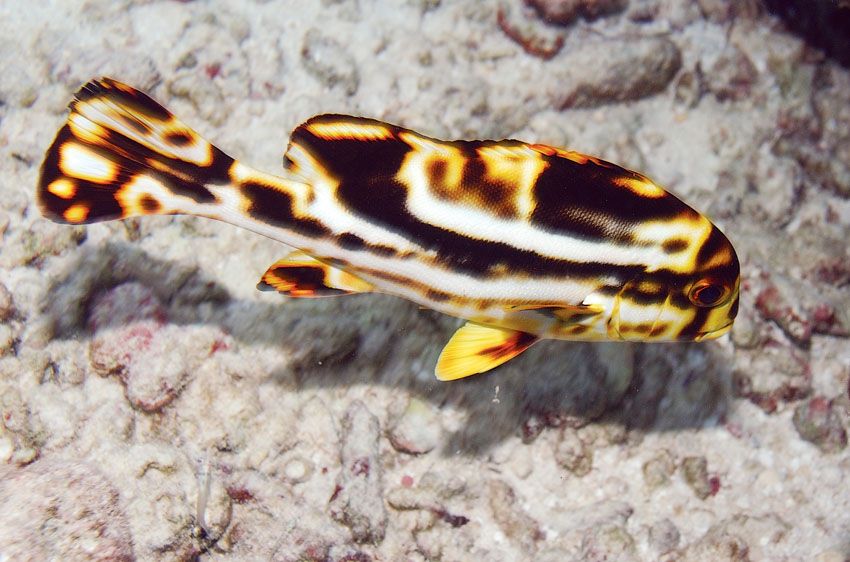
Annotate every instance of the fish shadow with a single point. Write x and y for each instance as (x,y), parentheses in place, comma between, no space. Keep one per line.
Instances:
(383,340)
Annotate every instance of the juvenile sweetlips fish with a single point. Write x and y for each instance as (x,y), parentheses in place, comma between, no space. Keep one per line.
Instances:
(524,241)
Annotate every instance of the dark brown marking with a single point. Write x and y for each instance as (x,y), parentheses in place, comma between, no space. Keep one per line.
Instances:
(484,192)
(515,344)
(178,138)
(696,326)
(659,329)
(382,250)
(304,276)
(634,293)
(436,172)
(674,246)
(274,207)
(608,210)
(717,244)
(609,290)
(149,204)
(218,171)
(640,329)
(135,124)
(578,329)
(438,296)
(351,241)
(733,310)
(714,244)
(397,279)
(188,187)
(335,262)
(575,317)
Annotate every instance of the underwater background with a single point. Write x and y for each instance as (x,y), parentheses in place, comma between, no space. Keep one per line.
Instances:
(155,406)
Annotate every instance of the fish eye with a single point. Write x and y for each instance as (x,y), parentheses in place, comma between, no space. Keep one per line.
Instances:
(708,293)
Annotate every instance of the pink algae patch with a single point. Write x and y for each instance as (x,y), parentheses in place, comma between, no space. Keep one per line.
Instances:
(153,359)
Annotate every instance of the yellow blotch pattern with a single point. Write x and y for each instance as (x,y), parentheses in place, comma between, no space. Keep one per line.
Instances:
(76,213)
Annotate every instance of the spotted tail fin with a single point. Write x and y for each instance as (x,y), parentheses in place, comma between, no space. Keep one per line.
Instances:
(121,154)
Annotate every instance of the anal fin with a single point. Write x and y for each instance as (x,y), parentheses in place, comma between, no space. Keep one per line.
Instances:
(301,275)
(476,348)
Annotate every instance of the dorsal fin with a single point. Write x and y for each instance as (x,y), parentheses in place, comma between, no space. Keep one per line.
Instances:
(330,147)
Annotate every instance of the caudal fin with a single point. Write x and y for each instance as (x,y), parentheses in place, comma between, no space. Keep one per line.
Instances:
(121,154)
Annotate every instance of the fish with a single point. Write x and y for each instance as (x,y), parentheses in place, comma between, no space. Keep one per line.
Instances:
(524,241)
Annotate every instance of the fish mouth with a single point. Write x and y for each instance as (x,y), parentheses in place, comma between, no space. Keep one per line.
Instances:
(714,334)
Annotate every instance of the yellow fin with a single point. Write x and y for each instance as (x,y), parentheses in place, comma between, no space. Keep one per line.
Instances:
(301,275)
(476,348)
(565,313)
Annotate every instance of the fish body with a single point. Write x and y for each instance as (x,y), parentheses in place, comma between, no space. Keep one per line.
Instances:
(524,241)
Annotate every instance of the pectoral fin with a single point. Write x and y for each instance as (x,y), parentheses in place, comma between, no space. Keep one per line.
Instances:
(565,313)
(302,275)
(476,348)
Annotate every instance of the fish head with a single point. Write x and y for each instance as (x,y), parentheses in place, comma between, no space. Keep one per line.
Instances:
(714,290)
(695,303)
